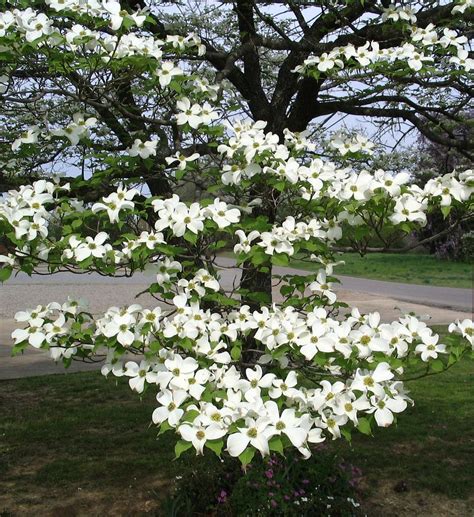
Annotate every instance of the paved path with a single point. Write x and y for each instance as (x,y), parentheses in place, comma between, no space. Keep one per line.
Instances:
(450,297)
(446,297)
(391,299)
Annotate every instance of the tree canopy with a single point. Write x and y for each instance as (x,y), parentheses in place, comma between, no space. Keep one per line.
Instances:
(145,136)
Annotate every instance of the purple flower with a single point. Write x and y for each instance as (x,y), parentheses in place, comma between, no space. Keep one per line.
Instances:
(269,473)
(222,497)
(273,503)
(305,481)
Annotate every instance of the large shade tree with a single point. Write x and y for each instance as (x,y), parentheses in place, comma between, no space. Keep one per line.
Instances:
(110,110)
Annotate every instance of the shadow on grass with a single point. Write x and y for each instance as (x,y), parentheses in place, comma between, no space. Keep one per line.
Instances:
(70,436)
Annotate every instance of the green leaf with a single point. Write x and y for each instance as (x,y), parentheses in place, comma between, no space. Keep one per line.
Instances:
(174,85)
(406,227)
(190,237)
(19,347)
(445,210)
(275,444)
(190,415)
(164,427)
(247,456)
(437,365)
(207,395)
(219,394)
(347,434)
(219,244)
(364,426)
(286,290)
(5,273)
(236,352)
(214,188)
(181,447)
(259,257)
(280,260)
(215,446)
(258,297)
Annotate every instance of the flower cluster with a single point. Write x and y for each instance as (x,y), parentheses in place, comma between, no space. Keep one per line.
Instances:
(143,149)
(194,115)
(281,238)
(176,215)
(424,44)
(204,396)
(255,153)
(48,326)
(465,328)
(26,209)
(77,129)
(358,143)
(27,214)
(80,40)
(194,354)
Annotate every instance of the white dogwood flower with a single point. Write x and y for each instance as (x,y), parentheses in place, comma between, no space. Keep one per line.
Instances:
(383,408)
(120,327)
(91,247)
(139,374)
(170,409)
(34,334)
(321,285)
(30,136)
(144,149)
(166,72)
(256,433)
(181,160)
(114,202)
(198,435)
(287,423)
(430,348)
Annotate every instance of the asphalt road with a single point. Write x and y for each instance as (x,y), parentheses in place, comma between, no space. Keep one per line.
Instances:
(446,297)
(449,297)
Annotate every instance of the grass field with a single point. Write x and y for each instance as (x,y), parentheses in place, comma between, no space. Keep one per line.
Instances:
(403,267)
(78,444)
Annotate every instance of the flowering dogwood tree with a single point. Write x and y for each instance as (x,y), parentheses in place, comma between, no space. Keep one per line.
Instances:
(177,145)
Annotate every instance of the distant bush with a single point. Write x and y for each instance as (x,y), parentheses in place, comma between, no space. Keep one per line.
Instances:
(467,247)
(449,246)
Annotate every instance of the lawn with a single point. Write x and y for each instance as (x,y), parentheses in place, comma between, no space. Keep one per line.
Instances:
(78,444)
(402,267)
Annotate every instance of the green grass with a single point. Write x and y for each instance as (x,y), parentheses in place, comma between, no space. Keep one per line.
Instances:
(431,448)
(80,439)
(65,436)
(403,267)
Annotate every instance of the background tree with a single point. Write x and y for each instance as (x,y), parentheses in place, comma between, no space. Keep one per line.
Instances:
(434,160)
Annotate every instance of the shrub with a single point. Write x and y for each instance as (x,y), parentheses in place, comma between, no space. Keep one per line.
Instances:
(467,247)
(271,486)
